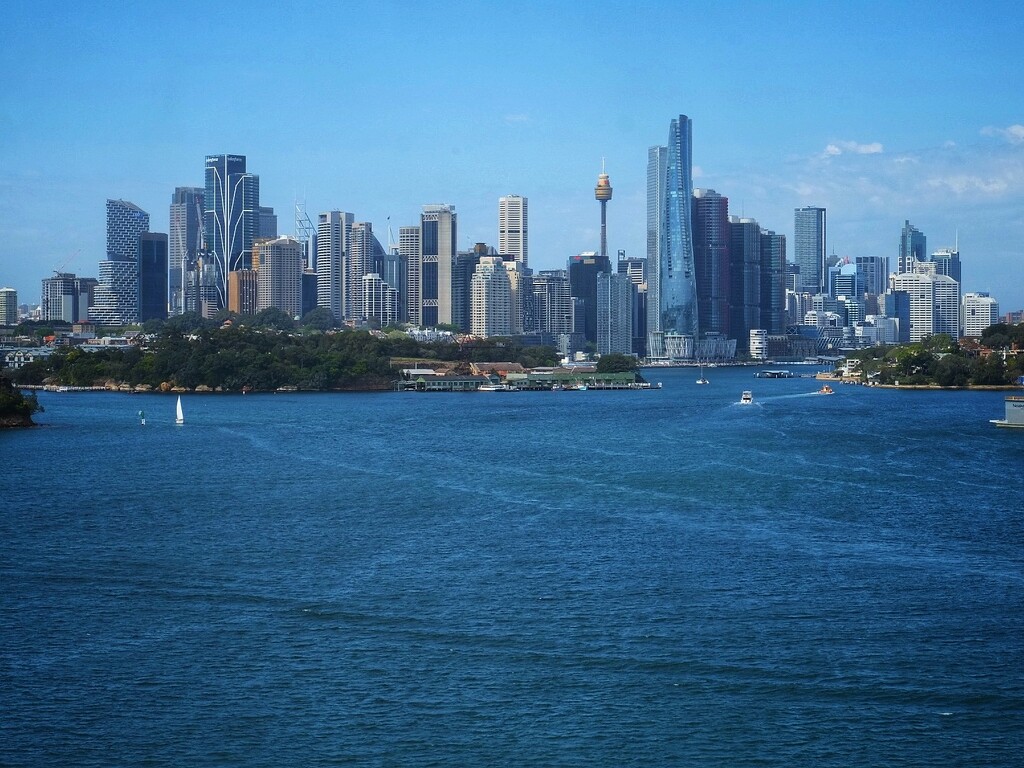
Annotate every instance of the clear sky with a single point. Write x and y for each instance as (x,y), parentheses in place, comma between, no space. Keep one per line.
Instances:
(879,111)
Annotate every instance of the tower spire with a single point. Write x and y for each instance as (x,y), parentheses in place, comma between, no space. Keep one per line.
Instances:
(603,193)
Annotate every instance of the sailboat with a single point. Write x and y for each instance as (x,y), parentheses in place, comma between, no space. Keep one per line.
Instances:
(702,380)
(180,419)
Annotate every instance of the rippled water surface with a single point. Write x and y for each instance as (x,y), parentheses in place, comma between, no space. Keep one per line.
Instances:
(558,579)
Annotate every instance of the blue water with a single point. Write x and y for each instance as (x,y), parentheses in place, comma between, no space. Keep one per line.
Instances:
(552,579)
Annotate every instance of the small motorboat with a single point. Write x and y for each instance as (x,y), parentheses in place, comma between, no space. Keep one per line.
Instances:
(825,390)
(747,398)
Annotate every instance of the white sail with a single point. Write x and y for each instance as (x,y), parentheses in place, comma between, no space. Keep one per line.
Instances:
(181,416)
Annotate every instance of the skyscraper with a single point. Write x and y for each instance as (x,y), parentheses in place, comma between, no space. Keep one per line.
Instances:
(809,248)
(657,162)
(231,216)
(490,299)
(553,301)
(934,303)
(913,248)
(773,282)
(978,312)
(583,271)
(363,255)
(513,228)
(279,276)
(152,276)
(8,307)
(185,241)
(711,237)
(603,193)
(438,237)
(744,279)
(947,262)
(332,235)
(614,313)
(677,278)
(117,295)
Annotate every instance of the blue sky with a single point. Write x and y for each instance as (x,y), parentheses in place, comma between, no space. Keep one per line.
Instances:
(878,111)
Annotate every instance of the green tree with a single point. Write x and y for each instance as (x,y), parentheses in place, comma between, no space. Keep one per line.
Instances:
(952,371)
(617,363)
(320,319)
(272,317)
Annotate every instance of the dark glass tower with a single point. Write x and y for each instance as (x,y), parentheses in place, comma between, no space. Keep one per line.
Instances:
(677,283)
(185,241)
(809,248)
(711,260)
(153,276)
(232,215)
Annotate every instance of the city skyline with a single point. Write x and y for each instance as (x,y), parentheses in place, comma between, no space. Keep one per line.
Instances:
(833,110)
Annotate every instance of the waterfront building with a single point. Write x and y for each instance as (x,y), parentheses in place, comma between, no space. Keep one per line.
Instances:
(520,278)
(744,279)
(657,163)
(153,276)
(711,237)
(979,311)
(433,266)
(279,266)
(677,278)
(913,248)
(332,236)
(184,242)
(773,282)
(8,307)
(491,299)
(513,228)
(809,247)
(614,313)
(231,217)
(758,343)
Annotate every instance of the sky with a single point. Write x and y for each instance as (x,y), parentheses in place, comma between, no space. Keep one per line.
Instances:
(880,112)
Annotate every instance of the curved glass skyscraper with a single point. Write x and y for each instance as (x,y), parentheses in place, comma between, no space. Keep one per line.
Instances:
(677,278)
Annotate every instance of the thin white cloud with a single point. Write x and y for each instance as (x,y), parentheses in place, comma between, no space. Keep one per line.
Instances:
(963,183)
(852,148)
(1013,133)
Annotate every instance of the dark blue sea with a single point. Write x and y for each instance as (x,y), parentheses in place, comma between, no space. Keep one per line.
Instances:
(653,578)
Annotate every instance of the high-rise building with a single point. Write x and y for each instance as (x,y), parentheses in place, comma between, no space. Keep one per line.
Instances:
(242,290)
(231,217)
(979,311)
(677,276)
(438,237)
(744,279)
(279,275)
(913,248)
(267,224)
(117,295)
(513,227)
(583,271)
(66,298)
(614,313)
(657,163)
(184,242)
(636,270)
(152,276)
(409,253)
(491,299)
(809,248)
(553,302)
(947,262)
(365,256)
(773,282)
(332,237)
(8,307)
(603,193)
(379,302)
(934,303)
(874,273)
(519,279)
(711,236)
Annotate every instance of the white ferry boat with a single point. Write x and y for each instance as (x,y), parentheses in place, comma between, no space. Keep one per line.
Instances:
(747,398)
(1014,413)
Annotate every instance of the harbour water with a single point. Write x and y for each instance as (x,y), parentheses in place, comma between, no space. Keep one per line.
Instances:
(645,578)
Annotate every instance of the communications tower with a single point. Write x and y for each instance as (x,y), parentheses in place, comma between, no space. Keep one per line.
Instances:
(603,193)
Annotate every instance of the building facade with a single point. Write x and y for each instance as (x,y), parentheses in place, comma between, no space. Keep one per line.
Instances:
(8,307)
(279,275)
(657,163)
(153,276)
(231,217)
(711,237)
(979,311)
(184,242)
(332,236)
(513,228)
(913,248)
(677,277)
(809,240)
(435,262)
(614,313)
(491,299)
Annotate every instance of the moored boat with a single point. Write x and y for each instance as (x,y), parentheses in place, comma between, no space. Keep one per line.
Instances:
(1014,413)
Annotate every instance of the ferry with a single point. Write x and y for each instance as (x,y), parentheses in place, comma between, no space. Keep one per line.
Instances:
(747,398)
(825,390)
(1014,413)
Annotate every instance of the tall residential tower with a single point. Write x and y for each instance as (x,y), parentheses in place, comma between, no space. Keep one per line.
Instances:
(809,248)
(513,228)
(677,278)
